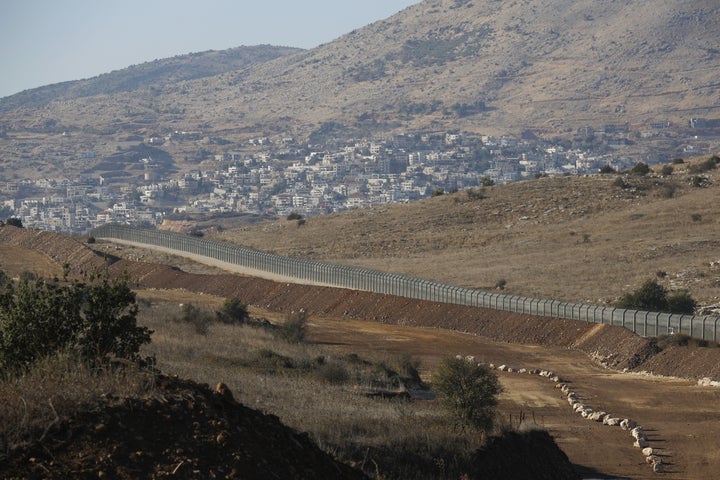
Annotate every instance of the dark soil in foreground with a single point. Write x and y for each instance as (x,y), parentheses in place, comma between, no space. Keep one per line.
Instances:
(185,430)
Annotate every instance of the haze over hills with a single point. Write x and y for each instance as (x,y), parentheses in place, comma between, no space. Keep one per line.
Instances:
(155,74)
(545,66)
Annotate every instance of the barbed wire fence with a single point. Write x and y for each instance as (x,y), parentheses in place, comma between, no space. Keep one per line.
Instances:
(354,278)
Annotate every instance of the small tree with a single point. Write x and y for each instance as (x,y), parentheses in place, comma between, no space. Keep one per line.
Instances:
(200,319)
(468,392)
(640,168)
(15,222)
(487,182)
(681,302)
(233,312)
(295,326)
(39,318)
(651,296)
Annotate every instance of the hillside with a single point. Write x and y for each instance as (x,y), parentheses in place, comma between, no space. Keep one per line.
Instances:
(545,66)
(585,239)
(156,74)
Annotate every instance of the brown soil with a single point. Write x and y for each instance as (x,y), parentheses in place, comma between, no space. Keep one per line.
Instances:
(185,430)
(682,418)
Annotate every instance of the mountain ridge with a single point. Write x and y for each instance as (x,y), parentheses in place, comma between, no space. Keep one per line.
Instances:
(498,68)
(163,71)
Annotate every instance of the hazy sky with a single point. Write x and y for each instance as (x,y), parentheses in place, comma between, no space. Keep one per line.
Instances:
(50,41)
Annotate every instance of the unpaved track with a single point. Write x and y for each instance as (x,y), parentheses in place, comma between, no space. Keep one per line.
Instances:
(681,418)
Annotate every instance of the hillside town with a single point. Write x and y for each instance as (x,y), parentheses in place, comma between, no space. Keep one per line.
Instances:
(278,176)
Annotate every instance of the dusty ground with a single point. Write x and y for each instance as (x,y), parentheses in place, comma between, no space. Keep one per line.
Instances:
(682,418)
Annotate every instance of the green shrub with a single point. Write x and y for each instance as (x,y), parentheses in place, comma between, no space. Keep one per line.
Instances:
(667,170)
(666,190)
(333,372)
(699,181)
(409,367)
(704,166)
(620,183)
(605,169)
(640,168)
(681,302)
(294,216)
(267,359)
(468,392)
(15,222)
(295,327)
(678,161)
(200,319)
(473,194)
(653,297)
(233,312)
(96,320)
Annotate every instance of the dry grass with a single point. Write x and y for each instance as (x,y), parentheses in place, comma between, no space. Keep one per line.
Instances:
(313,390)
(57,388)
(332,396)
(16,260)
(582,239)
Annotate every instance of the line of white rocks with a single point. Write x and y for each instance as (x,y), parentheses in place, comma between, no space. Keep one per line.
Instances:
(638,434)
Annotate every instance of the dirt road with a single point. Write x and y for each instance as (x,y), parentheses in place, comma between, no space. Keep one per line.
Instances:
(681,418)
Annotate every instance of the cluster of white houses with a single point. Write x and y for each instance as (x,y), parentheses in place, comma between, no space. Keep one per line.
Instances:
(272,178)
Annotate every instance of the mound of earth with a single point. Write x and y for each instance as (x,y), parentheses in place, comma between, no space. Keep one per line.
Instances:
(534,455)
(186,430)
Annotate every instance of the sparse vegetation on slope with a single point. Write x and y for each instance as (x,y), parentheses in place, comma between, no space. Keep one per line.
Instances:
(546,66)
(580,239)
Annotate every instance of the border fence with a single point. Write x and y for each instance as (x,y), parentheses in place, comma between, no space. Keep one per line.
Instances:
(354,278)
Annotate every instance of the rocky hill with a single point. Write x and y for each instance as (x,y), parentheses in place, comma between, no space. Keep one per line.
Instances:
(544,66)
(156,74)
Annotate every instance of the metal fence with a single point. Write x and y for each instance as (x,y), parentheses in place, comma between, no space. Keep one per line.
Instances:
(640,322)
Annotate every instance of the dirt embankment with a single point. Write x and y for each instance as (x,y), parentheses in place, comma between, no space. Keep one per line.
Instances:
(185,430)
(616,347)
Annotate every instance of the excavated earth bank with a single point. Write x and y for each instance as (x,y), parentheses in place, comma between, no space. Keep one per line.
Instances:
(613,346)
